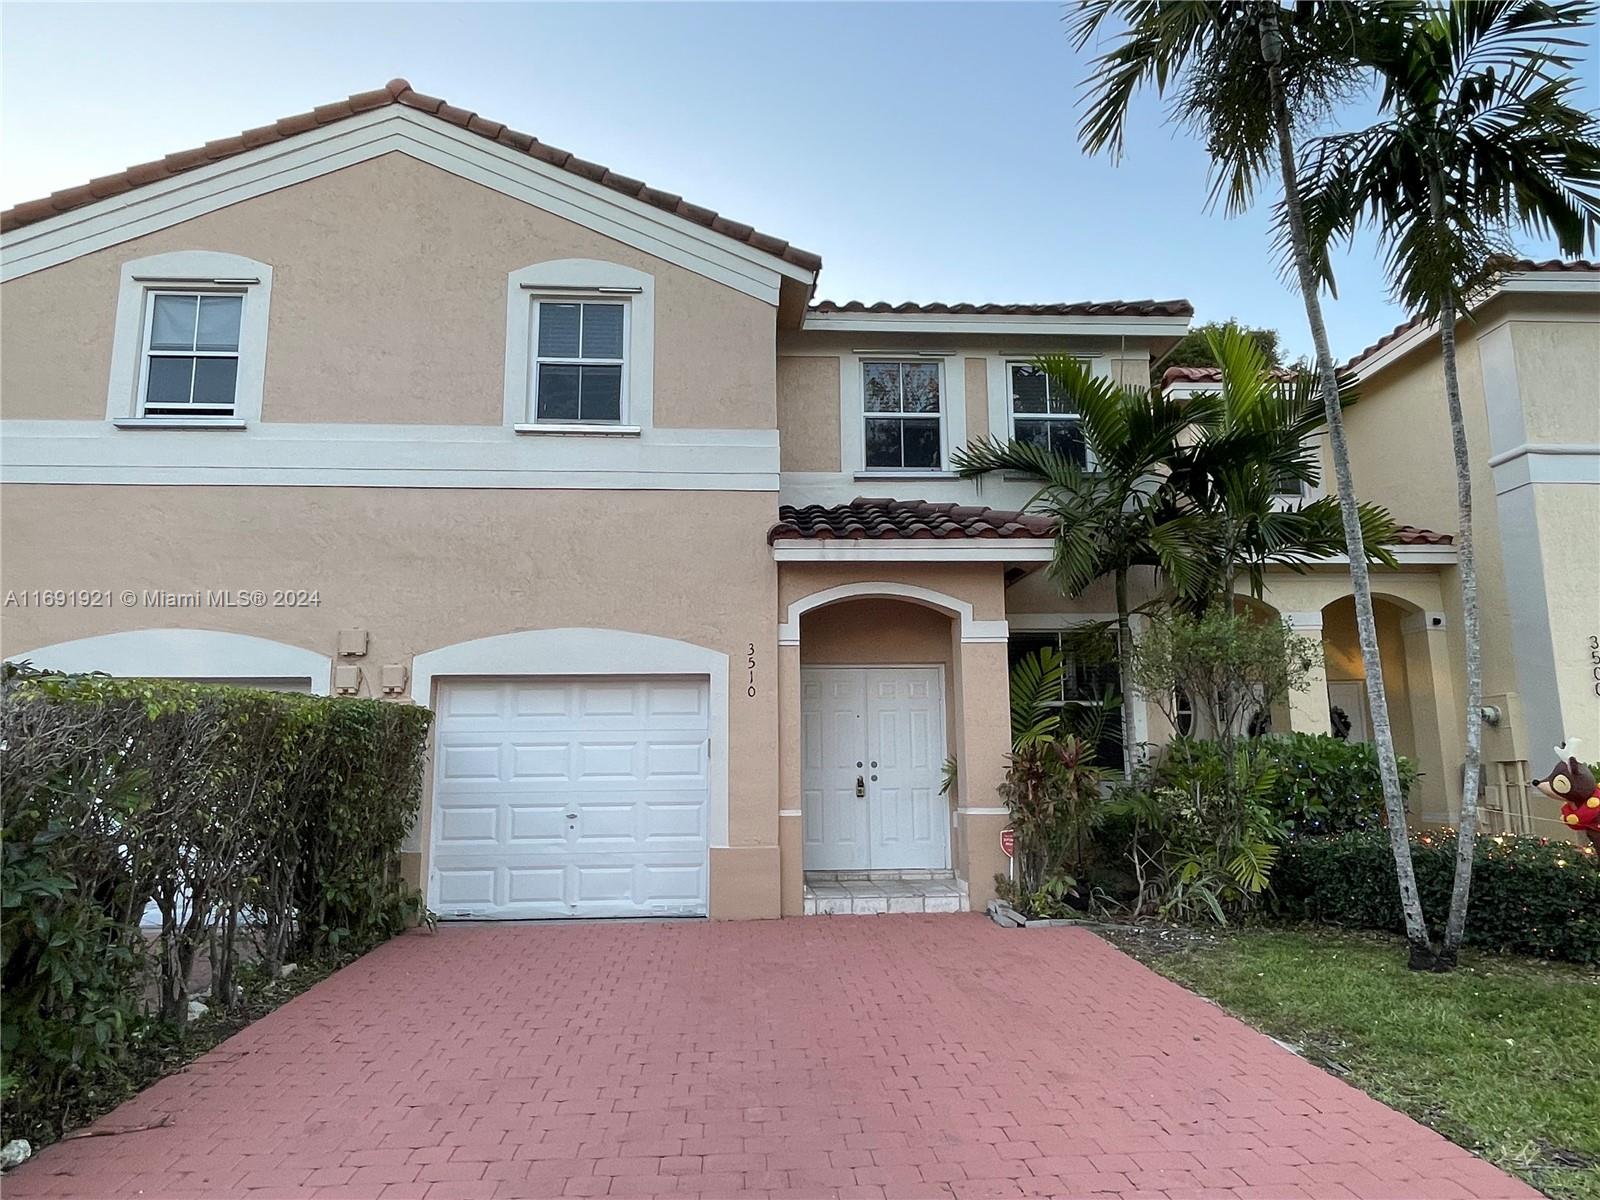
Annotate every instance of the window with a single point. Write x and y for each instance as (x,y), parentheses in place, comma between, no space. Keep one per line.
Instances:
(903,415)
(1091,693)
(1041,418)
(191,366)
(580,361)
(189,348)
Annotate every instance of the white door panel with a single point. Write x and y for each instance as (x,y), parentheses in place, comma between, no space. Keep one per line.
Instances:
(883,727)
(571,798)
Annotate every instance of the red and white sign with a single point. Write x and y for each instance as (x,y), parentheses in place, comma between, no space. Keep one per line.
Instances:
(1008,841)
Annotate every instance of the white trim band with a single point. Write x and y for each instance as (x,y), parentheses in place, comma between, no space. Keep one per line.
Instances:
(185,654)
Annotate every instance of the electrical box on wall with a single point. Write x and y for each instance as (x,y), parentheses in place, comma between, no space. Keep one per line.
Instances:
(352,643)
(393,677)
(346,681)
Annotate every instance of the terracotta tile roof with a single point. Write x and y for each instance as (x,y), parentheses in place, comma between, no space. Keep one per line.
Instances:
(1211,374)
(1516,266)
(1411,535)
(1087,308)
(397,92)
(869,519)
(866,519)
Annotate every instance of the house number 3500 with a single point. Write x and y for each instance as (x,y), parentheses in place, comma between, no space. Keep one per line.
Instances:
(751,690)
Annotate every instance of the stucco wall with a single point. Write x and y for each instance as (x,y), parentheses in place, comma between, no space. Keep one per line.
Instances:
(424,568)
(388,305)
(808,413)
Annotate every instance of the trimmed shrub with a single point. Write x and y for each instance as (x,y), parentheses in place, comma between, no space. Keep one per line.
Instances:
(1325,785)
(252,820)
(1529,895)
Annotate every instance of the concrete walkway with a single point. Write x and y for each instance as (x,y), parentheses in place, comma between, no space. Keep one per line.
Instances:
(891,1056)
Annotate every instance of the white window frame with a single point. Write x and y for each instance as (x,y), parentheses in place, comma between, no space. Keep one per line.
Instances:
(576,280)
(539,360)
(148,352)
(941,415)
(1089,363)
(187,272)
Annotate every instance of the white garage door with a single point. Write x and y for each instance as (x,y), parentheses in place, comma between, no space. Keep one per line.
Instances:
(580,797)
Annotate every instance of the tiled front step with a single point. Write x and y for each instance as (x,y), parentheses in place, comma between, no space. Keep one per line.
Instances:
(862,894)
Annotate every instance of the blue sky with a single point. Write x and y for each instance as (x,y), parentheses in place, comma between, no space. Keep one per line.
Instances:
(926,151)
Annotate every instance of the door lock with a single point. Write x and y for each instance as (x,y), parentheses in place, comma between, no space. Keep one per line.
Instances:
(861,786)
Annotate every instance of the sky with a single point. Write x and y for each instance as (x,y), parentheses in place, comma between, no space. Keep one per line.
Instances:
(926,151)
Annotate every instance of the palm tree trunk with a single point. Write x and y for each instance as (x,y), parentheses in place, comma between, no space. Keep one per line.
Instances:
(1125,671)
(1467,836)
(1422,955)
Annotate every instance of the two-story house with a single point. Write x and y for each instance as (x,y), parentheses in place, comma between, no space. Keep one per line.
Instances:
(388,399)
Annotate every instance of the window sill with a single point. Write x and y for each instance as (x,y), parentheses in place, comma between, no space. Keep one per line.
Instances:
(907,475)
(552,429)
(179,423)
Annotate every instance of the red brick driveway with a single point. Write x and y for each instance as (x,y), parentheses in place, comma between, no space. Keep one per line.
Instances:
(891,1056)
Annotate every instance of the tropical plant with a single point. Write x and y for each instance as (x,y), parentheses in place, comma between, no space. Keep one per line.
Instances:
(1204,837)
(1243,454)
(1230,665)
(1482,135)
(1111,520)
(1052,791)
(1246,75)
(1194,348)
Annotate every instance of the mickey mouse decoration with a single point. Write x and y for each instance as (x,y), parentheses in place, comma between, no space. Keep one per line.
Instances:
(1573,785)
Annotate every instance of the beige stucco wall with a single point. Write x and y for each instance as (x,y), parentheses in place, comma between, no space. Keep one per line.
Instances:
(424,568)
(1557,352)
(388,305)
(808,413)
(977,398)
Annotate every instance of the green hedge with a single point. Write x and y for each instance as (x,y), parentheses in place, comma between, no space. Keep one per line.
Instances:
(1325,785)
(1529,895)
(265,826)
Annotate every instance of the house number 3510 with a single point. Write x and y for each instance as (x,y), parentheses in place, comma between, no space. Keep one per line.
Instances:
(751,690)
(1594,660)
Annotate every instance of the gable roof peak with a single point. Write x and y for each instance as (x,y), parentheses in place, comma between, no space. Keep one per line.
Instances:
(398,91)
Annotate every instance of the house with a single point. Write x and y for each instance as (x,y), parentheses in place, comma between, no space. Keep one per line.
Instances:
(388,399)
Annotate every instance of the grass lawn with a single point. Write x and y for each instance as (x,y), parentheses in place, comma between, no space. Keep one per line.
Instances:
(1503,1056)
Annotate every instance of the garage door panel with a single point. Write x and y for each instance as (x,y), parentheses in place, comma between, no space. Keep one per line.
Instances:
(541,761)
(584,797)
(462,824)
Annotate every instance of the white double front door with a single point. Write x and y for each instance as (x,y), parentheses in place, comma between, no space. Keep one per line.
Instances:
(874,749)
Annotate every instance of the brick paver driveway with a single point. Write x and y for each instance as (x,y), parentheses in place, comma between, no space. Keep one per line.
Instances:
(846,1056)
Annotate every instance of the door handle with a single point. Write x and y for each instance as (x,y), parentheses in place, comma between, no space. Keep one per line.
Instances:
(861,786)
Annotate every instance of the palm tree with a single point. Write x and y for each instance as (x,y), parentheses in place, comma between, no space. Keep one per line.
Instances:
(1246,74)
(1245,453)
(1110,520)
(1480,138)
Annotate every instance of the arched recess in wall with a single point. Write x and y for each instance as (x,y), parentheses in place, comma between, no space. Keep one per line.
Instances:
(208,654)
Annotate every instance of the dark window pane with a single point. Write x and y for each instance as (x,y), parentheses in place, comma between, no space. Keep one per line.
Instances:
(214,380)
(1066,439)
(883,442)
(1034,433)
(1020,645)
(921,383)
(601,394)
(602,331)
(558,330)
(1028,389)
(921,444)
(219,323)
(169,382)
(558,392)
(882,384)
(172,323)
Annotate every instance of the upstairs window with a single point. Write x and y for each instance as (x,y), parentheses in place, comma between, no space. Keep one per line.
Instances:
(1040,417)
(903,416)
(580,364)
(191,359)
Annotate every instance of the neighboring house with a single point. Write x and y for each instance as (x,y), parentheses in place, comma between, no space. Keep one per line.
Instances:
(389,400)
